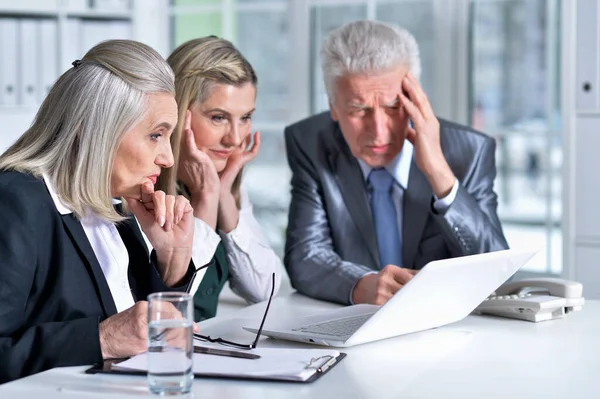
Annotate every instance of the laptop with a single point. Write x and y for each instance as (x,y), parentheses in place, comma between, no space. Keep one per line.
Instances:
(444,291)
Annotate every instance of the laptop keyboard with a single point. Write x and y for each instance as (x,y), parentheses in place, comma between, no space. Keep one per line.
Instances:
(336,328)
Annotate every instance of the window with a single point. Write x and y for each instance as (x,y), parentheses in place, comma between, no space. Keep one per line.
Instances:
(326,18)
(495,61)
(514,98)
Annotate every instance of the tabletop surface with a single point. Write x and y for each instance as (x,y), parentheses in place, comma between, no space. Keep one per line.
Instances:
(479,356)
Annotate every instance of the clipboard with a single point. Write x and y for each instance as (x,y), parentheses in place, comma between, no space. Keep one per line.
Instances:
(320,369)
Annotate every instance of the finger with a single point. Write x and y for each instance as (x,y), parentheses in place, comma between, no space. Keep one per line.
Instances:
(147,191)
(188,211)
(188,120)
(255,145)
(418,96)
(412,110)
(401,276)
(148,205)
(250,154)
(159,208)
(176,338)
(180,206)
(169,211)
(382,298)
(246,143)
(388,279)
(196,328)
(140,211)
(388,287)
(189,141)
(411,91)
(411,135)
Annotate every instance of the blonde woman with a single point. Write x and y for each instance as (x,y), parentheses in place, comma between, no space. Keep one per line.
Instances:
(74,270)
(216,92)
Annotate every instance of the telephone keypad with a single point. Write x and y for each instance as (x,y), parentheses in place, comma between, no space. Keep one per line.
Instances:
(514,296)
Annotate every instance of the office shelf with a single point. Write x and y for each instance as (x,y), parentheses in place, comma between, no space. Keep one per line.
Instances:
(104,15)
(24,13)
(39,39)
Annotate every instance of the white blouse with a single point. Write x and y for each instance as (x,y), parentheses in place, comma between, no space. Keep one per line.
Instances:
(109,249)
(251,259)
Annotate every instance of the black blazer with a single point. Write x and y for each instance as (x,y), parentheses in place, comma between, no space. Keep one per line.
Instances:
(53,294)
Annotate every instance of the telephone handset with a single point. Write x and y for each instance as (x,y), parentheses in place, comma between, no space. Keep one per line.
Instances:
(535,299)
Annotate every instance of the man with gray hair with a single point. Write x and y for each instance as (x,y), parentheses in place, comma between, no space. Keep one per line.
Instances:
(381,186)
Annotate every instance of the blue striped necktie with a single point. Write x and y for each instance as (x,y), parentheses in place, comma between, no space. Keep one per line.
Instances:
(385,218)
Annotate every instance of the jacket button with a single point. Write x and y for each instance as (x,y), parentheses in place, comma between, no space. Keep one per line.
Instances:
(210,291)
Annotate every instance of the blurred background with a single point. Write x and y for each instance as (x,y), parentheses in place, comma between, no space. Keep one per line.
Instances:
(492,64)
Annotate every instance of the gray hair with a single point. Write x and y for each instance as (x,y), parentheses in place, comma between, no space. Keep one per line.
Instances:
(362,47)
(79,126)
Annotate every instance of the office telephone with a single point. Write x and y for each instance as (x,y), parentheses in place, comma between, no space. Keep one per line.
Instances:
(535,299)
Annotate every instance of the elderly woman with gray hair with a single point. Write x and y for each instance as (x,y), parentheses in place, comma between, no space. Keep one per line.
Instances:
(75,268)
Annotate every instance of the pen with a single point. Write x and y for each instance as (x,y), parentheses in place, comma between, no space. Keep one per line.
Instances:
(224,352)
(327,364)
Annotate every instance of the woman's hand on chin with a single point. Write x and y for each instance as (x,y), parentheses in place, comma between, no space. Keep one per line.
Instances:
(168,222)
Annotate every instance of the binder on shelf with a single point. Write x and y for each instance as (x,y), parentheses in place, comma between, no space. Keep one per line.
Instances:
(8,61)
(111,5)
(49,56)
(29,61)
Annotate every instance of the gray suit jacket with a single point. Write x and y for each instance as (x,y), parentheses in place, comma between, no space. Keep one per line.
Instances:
(331,240)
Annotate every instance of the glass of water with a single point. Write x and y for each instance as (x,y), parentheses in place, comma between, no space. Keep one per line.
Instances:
(170,343)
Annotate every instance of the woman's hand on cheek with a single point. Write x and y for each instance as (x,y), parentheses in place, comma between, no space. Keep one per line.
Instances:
(237,160)
(196,169)
(198,173)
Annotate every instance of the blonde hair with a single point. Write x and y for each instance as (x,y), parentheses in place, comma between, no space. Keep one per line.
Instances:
(79,126)
(198,65)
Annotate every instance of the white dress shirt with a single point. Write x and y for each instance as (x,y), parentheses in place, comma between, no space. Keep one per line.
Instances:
(399,168)
(251,259)
(109,249)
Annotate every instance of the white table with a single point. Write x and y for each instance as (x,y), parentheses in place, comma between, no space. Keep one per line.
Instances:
(478,357)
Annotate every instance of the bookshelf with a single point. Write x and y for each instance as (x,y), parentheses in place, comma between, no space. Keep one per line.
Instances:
(38,41)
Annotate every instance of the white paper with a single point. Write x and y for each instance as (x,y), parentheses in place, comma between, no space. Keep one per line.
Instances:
(282,364)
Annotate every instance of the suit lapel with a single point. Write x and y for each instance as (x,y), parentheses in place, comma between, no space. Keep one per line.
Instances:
(85,250)
(351,183)
(139,257)
(417,202)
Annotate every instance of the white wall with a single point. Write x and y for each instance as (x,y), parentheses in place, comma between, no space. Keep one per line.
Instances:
(151,24)
(581,119)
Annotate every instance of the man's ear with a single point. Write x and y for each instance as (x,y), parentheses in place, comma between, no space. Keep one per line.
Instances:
(333,112)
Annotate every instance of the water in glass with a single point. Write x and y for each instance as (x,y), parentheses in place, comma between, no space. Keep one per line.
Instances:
(170,356)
